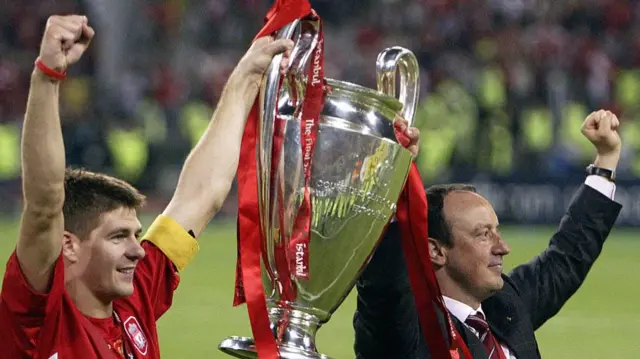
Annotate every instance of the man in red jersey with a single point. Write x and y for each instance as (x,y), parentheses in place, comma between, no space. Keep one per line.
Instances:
(80,283)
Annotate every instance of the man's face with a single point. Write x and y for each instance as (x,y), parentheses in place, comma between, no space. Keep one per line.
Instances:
(474,262)
(110,254)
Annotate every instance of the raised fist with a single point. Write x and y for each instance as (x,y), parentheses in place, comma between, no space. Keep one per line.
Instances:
(64,41)
(601,128)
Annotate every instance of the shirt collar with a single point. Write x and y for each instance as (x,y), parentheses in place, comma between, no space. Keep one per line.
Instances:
(460,310)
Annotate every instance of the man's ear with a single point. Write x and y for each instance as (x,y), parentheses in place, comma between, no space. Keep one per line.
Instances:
(437,252)
(70,246)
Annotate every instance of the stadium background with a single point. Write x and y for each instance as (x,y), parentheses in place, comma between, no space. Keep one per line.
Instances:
(505,86)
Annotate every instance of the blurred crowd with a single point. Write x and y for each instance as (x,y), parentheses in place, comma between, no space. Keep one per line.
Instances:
(505,84)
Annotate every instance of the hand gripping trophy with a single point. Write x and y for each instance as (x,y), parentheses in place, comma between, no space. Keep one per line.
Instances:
(345,191)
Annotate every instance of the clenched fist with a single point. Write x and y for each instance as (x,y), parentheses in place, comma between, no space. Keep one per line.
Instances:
(601,128)
(64,41)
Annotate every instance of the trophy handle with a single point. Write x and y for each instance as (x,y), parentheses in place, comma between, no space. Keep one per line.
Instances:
(400,59)
(305,33)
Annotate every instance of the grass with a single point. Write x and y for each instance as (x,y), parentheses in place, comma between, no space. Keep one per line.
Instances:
(600,321)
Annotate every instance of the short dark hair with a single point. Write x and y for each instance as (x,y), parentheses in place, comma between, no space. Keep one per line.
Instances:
(438,226)
(88,195)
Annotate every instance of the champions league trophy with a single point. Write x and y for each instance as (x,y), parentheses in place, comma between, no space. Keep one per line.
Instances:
(358,172)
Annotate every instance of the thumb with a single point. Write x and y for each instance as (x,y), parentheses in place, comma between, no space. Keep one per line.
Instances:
(75,52)
(79,47)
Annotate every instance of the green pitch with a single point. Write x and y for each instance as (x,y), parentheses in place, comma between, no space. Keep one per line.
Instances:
(599,322)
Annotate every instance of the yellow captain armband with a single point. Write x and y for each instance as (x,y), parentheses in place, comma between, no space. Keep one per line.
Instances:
(173,240)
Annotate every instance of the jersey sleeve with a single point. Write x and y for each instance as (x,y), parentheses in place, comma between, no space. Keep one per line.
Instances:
(169,248)
(22,309)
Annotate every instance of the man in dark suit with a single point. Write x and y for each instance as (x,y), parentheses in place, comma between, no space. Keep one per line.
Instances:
(496,314)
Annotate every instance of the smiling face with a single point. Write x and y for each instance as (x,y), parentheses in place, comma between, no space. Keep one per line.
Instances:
(106,260)
(472,266)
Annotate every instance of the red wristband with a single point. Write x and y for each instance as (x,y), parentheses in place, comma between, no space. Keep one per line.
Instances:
(49,71)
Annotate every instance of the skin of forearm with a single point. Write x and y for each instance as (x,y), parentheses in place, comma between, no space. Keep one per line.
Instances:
(210,168)
(43,155)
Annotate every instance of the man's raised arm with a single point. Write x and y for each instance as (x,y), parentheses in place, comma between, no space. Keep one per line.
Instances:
(43,157)
(210,168)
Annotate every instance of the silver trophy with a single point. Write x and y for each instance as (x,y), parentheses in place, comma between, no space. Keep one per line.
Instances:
(358,172)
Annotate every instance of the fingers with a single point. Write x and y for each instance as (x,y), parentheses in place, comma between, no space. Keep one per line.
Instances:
(284,64)
(401,125)
(414,134)
(592,122)
(613,119)
(87,34)
(63,33)
(604,125)
(411,132)
(278,46)
(261,54)
(78,19)
(414,144)
(72,23)
(66,39)
(600,123)
(67,29)
(408,137)
(615,123)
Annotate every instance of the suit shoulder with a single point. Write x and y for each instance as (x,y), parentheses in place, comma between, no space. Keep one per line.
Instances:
(509,285)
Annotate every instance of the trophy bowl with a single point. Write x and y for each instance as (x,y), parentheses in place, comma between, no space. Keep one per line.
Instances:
(358,173)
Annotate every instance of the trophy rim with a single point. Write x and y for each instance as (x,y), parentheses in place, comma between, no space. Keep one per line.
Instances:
(391,102)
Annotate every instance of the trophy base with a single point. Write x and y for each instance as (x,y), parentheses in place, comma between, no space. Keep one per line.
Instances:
(245,348)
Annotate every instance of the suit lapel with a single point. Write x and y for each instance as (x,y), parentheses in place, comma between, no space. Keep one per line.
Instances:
(508,325)
(503,318)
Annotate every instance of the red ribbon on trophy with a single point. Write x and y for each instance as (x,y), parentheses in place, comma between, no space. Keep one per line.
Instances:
(412,220)
(249,286)
(412,212)
(311,108)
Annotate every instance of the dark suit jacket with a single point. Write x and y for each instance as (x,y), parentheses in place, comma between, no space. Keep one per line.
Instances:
(386,323)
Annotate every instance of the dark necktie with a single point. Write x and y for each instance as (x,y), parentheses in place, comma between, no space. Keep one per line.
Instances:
(490,343)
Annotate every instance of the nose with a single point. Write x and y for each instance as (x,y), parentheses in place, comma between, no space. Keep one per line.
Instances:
(135,251)
(501,247)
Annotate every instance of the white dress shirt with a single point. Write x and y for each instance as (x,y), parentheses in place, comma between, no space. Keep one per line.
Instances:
(601,185)
(462,311)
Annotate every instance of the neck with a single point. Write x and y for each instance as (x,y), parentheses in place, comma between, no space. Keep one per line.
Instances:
(87,302)
(453,290)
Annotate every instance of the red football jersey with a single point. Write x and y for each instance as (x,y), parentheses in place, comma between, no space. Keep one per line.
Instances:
(49,326)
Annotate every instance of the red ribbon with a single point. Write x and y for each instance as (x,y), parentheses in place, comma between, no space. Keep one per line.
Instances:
(412,212)
(412,220)
(311,108)
(249,286)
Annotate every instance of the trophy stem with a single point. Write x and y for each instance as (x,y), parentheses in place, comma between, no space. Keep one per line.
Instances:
(295,333)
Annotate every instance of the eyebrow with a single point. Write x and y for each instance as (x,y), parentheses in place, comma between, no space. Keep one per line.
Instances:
(124,231)
(479,227)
